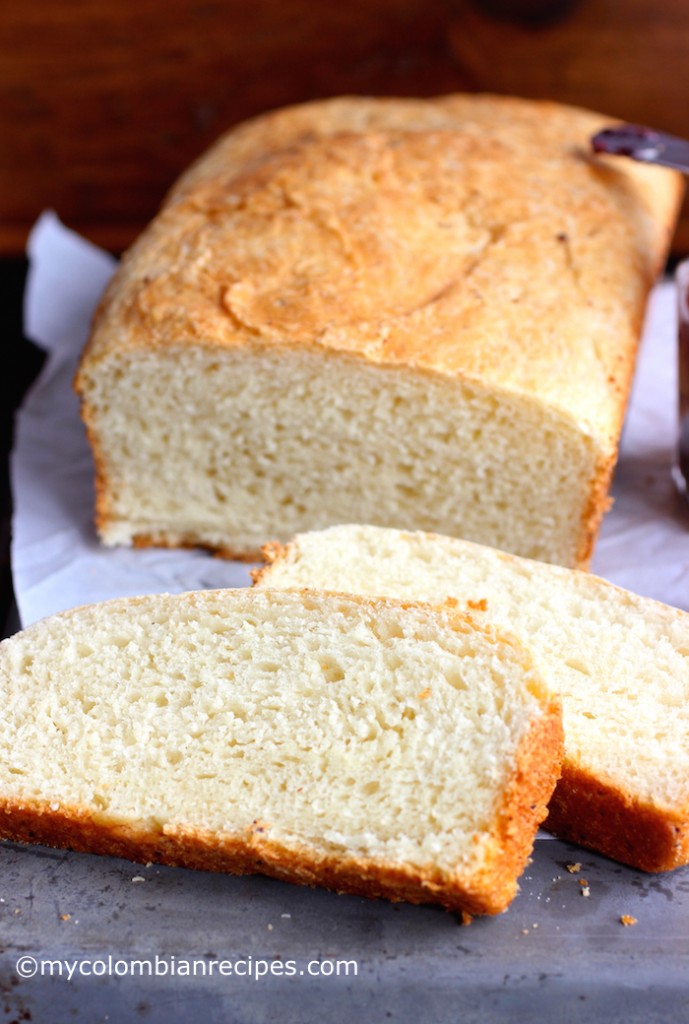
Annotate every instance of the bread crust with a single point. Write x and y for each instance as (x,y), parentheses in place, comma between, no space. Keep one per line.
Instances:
(604,225)
(604,818)
(254,851)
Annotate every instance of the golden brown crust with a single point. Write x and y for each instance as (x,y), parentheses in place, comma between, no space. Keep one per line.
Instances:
(254,851)
(597,505)
(250,853)
(603,818)
(251,182)
(271,553)
(527,796)
(160,540)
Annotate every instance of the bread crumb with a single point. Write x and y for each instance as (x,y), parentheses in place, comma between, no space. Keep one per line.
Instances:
(270,927)
(586,890)
(65,917)
(627,920)
(583,883)
(138,878)
(478,606)
(573,868)
(465,918)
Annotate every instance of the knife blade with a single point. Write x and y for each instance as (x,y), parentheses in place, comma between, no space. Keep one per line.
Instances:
(644,144)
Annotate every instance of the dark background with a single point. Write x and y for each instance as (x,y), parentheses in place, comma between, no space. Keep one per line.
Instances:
(103,103)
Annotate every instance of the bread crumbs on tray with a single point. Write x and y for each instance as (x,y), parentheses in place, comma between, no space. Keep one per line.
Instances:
(627,920)
(573,868)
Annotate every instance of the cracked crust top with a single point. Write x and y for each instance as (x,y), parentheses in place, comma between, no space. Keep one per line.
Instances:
(465,235)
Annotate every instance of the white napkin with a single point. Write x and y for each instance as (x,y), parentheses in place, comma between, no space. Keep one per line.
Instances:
(57,561)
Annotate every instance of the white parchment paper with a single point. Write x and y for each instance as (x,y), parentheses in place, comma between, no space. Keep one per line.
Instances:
(58,562)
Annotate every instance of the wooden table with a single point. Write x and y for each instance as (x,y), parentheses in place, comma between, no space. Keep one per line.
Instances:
(103,103)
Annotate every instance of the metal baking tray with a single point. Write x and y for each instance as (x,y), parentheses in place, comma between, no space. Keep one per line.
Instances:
(559,953)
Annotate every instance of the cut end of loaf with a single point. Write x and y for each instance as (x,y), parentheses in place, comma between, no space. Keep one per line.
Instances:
(369,746)
(270,444)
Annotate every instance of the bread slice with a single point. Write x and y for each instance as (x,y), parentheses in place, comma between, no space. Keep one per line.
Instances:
(619,661)
(415,313)
(369,746)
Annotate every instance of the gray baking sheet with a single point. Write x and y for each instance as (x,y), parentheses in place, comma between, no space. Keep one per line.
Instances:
(108,940)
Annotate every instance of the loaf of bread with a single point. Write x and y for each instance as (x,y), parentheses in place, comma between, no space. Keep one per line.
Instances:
(369,746)
(619,661)
(414,313)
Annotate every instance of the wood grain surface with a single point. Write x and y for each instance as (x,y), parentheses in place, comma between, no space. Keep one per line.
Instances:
(102,104)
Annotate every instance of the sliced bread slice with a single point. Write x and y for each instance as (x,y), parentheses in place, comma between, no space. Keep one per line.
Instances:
(369,746)
(619,661)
